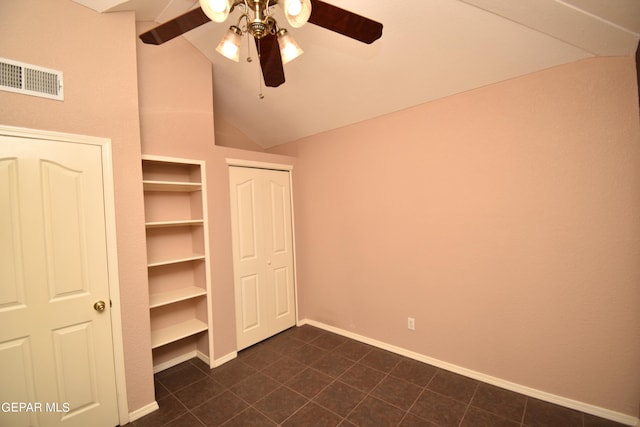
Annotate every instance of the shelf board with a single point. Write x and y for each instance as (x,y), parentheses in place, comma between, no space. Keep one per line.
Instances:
(175,261)
(178,223)
(176,332)
(171,186)
(164,298)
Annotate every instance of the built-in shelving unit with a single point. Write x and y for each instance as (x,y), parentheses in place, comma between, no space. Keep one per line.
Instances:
(178,260)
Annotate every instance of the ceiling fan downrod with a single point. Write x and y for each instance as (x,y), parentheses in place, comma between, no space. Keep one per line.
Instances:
(261,24)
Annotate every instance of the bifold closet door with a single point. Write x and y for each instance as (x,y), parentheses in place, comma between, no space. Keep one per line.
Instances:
(262,253)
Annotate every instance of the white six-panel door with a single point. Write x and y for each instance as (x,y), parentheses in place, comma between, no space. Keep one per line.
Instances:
(56,351)
(262,253)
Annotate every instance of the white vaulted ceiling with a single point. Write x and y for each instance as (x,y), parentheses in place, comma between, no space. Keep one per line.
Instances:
(429,49)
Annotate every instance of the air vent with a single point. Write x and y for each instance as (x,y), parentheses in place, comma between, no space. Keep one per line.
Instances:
(30,79)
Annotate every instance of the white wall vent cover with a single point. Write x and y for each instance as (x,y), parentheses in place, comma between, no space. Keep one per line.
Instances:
(30,79)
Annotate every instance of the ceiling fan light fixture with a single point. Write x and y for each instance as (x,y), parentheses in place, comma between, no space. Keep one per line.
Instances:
(260,24)
(289,48)
(216,10)
(297,12)
(229,46)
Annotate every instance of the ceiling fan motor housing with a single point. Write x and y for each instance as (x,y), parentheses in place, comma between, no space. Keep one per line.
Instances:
(259,29)
(261,24)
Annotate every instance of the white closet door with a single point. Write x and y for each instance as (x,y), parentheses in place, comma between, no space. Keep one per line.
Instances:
(262,253)
(56,350)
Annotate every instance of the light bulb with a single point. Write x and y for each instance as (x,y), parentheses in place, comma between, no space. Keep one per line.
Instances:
(216,10)
(294,7)
(297,12)
(218,5)
(229,49)
(290,51)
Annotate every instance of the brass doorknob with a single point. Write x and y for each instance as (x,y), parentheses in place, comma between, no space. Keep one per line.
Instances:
(99,306)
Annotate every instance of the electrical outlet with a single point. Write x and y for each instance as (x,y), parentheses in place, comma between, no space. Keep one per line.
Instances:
(411,323)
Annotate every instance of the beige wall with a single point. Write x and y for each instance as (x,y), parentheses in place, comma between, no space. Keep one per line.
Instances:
(505,220)
(177,120)
(97,55)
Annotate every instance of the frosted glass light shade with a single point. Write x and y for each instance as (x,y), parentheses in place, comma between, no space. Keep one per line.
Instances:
(229,46)
(289,49)
(297,12)
(216,10)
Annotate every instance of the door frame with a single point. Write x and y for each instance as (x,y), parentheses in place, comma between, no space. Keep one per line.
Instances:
(285,168)
(110,233)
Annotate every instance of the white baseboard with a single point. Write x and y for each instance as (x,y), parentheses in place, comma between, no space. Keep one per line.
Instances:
(200,355)
(225,359)
(190,355)
(176,361)
(145,410)
(528,391)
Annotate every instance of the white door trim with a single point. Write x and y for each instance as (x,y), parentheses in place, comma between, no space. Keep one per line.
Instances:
(112,253)
(258,165)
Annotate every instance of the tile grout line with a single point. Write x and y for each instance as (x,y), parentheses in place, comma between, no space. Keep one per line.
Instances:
(228,389)
(188,411)
(469,404)
(172,394)
(424,389)
(283,384)
(368,394)
(408,411)
(280,385)
(333,381)
(524,411)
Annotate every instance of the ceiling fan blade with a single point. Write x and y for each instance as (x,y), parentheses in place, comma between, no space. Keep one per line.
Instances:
(270,60)
(344,22)
(177,26)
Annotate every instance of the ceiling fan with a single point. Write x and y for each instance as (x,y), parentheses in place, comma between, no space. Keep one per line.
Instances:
(274,44)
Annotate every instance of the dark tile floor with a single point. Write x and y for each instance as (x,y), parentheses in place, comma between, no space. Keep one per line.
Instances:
(309,377)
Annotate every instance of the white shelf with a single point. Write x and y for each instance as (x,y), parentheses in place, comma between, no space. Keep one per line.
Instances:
(177,237)
(179,223)
(171,186)
(176,332)
(176,260)
(164,298)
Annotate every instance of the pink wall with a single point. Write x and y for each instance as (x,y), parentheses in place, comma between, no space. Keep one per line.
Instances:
(177,120)
(227,135)
(97,55)
(505,220)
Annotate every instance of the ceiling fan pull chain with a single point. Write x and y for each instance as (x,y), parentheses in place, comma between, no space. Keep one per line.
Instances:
(260,95)
(249,58)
